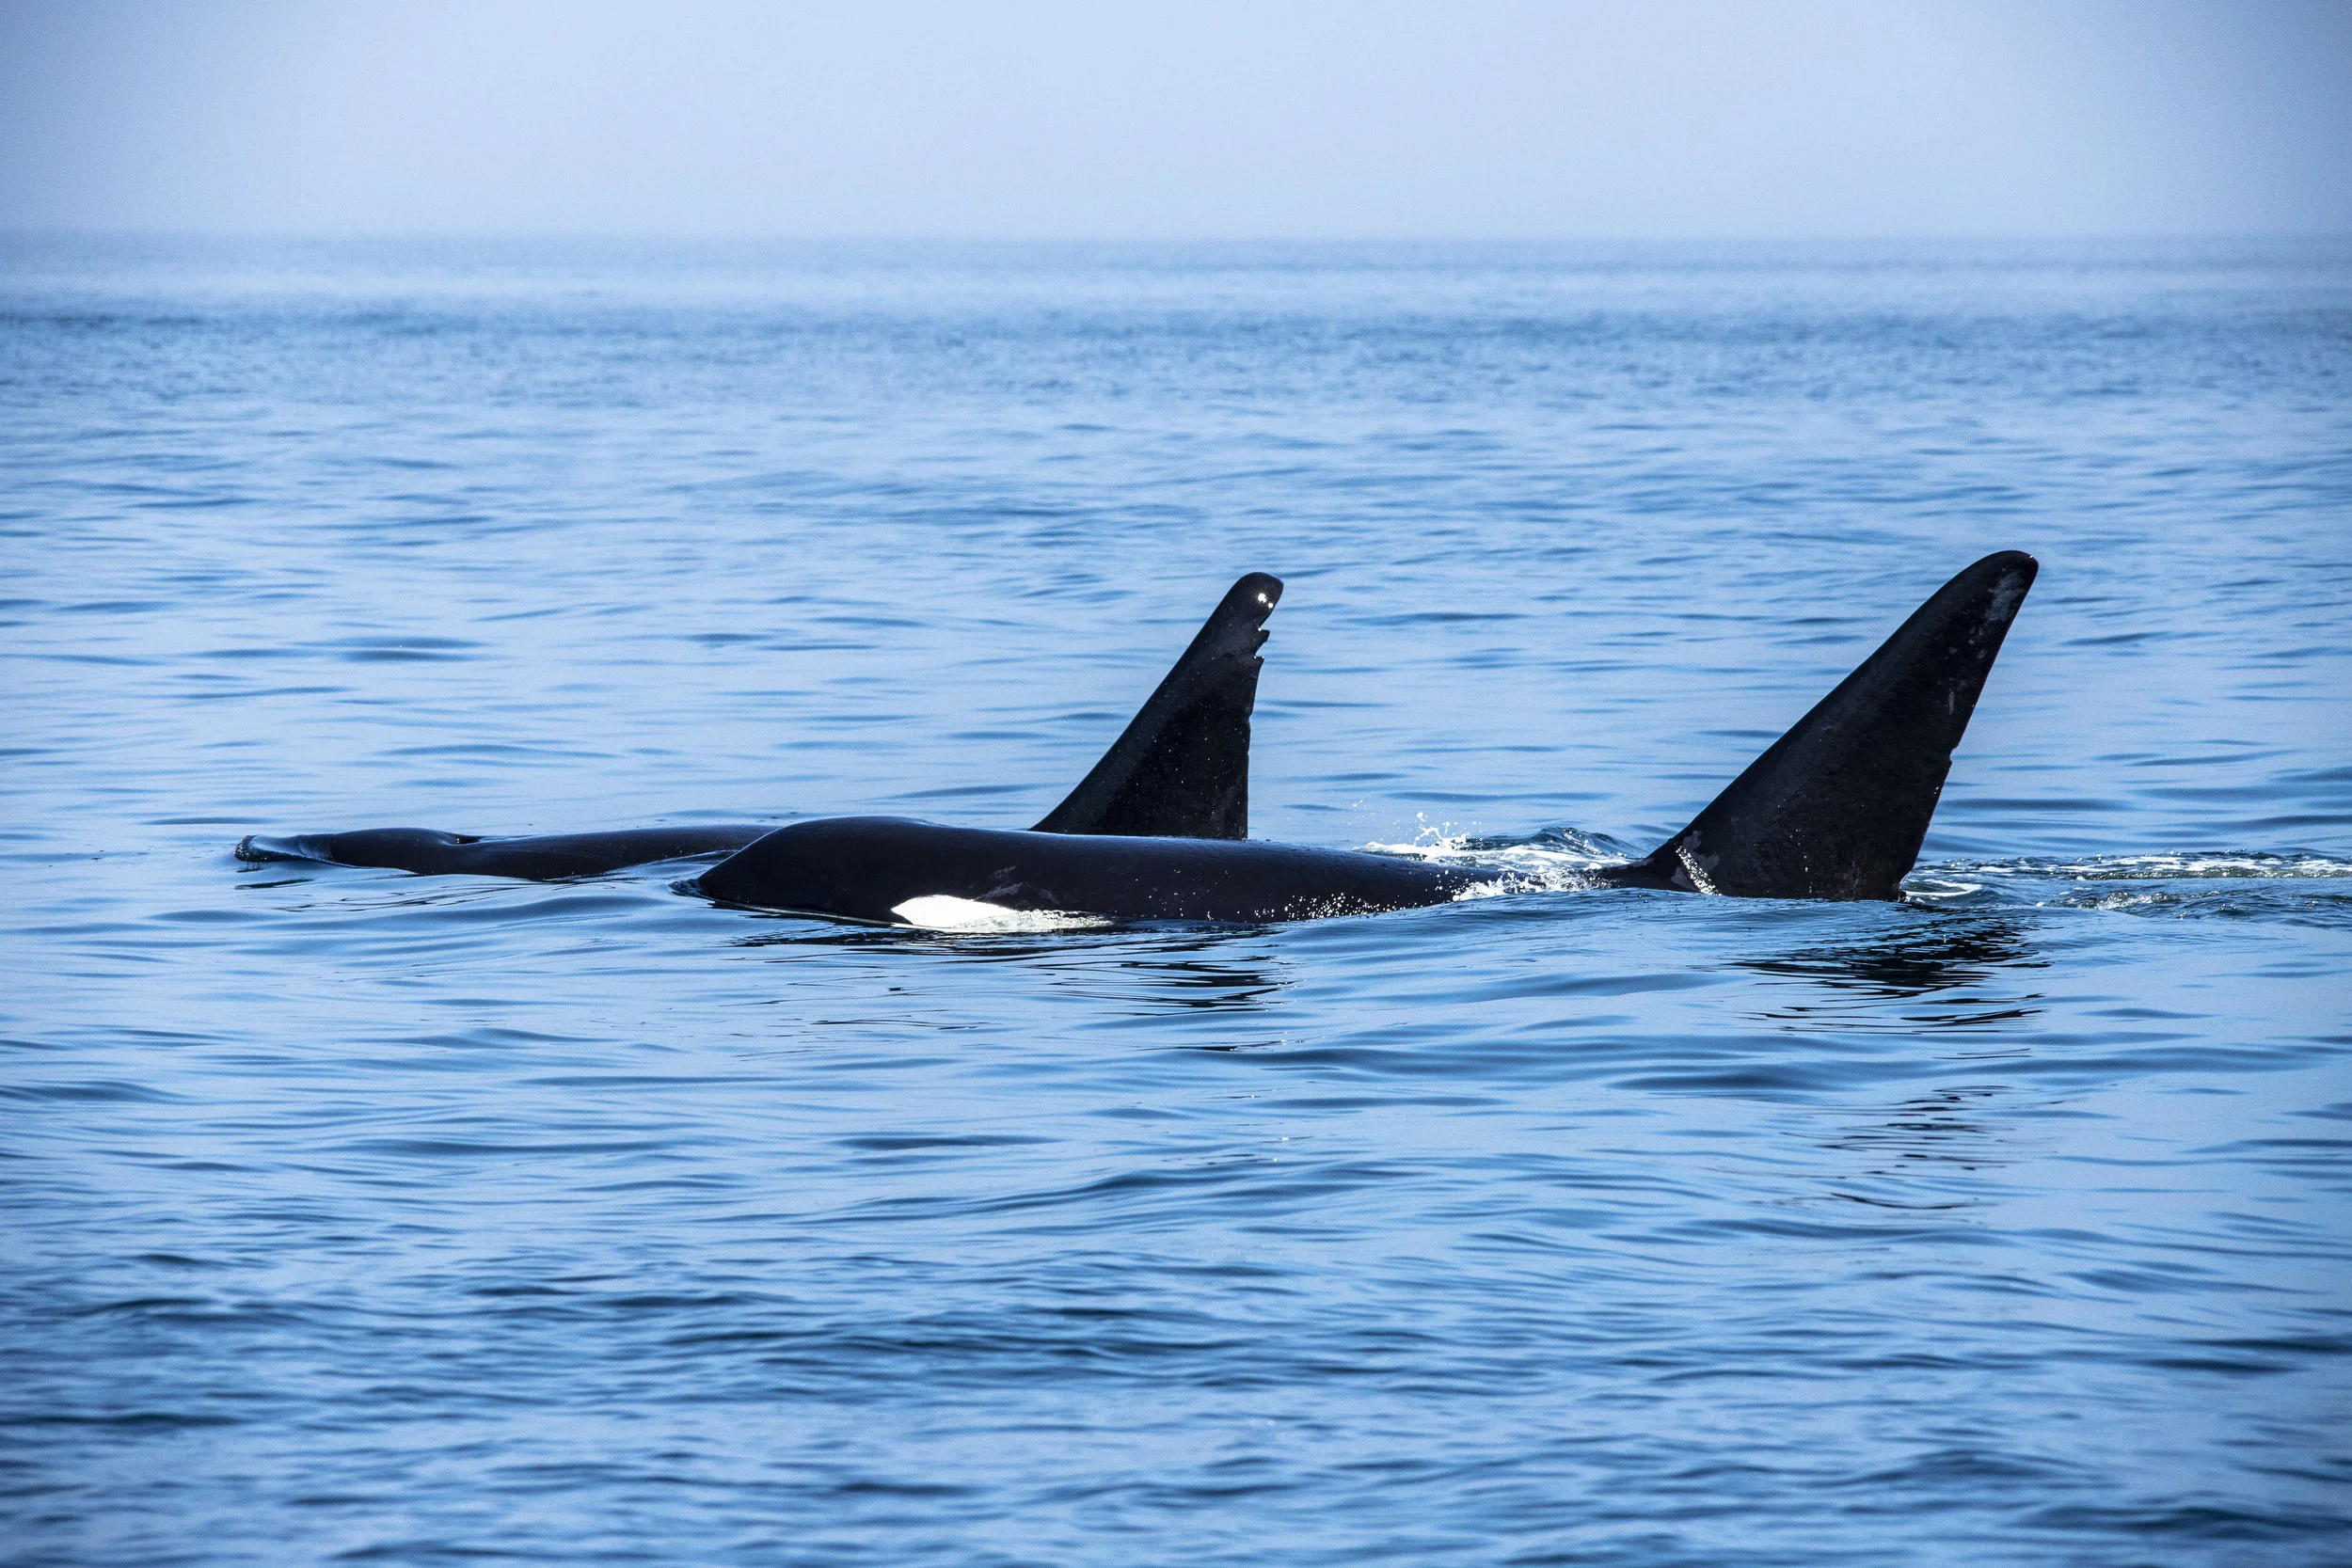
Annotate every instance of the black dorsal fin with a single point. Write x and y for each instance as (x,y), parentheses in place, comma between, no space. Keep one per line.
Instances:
(1837,807)
(1182,768)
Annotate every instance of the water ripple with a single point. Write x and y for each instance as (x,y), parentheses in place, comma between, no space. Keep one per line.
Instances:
(359,1216)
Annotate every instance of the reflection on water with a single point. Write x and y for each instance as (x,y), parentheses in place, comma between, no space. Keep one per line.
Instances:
(1958,1126)
(1931,953)
(1936,952)
(1228,982)
(1152,968)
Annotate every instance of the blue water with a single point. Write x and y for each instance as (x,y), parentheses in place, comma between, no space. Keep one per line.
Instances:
(356,1215)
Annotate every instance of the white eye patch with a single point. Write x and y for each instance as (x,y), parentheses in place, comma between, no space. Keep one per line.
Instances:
(937,911)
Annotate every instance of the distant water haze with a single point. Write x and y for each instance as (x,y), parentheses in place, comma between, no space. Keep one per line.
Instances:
(1047,121)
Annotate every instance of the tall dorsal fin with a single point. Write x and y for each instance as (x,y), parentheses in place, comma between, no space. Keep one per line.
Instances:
(1182,768)
(1837,807)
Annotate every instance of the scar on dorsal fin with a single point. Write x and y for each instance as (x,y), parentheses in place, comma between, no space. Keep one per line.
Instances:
(1181,769)
(1837,807)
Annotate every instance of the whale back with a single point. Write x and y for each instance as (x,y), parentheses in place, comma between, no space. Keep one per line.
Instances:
(1179,770)
(884,871)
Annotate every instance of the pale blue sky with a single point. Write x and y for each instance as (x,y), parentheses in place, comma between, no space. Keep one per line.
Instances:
(1034,119)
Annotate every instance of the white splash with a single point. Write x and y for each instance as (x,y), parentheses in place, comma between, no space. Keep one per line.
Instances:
(2251,866)
(1693,869)
(1554,861)
(938,911)
(2184,886)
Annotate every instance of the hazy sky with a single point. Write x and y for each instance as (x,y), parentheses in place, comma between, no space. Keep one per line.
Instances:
(1181,118)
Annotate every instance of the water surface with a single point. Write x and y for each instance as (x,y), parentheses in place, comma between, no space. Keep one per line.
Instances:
(350,1214)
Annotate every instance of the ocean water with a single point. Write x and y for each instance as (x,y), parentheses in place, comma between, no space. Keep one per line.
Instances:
(353,1215)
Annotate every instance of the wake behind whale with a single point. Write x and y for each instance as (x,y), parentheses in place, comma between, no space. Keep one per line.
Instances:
(1836,809)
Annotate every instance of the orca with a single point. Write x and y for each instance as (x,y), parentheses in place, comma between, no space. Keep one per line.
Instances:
(1179,770)
(1836,809)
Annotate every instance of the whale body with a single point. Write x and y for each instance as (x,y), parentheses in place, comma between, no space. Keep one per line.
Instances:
(1179,770)
(1158,830)
(868,869)
(1834,809)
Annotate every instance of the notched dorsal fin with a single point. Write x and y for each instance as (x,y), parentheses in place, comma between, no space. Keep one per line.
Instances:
(1839,806)
(1182,768)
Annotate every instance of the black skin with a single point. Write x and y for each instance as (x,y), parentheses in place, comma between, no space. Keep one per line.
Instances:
(1836,809)
(430,852)
(861,868)
(1181,769)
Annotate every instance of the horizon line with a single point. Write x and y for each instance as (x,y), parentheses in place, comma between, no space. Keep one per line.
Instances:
(687,236)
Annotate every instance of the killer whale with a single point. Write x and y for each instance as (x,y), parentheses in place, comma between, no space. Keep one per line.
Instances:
(1836,809)
(1179,770)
